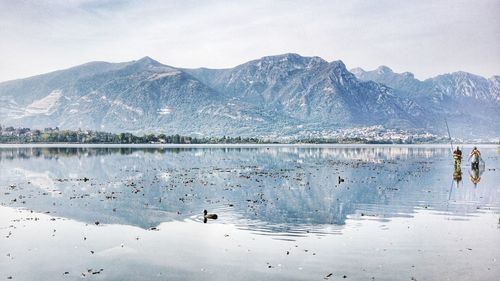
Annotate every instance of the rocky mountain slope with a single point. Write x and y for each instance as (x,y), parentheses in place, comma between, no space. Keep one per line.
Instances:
(471,103)
(282,95)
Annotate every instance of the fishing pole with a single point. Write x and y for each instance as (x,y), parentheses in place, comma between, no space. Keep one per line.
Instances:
(449,135)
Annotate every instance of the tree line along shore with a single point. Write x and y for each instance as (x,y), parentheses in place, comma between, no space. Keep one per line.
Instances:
(10,135)
(95,137)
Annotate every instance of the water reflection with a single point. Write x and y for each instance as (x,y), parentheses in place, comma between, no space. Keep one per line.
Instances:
(285,191)
(57,152)
(475,175)
(368,153)
(457,175)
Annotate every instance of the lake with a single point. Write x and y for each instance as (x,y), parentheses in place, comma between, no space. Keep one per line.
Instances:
(358,212)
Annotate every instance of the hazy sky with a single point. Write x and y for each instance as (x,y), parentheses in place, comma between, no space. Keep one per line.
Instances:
(423,37)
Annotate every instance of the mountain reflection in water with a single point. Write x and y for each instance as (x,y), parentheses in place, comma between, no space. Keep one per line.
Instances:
(282,191)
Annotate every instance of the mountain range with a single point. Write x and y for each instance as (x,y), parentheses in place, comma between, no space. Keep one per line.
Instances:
(283,95)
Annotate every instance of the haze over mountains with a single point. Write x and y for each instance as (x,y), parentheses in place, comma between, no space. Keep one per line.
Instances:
(283,95)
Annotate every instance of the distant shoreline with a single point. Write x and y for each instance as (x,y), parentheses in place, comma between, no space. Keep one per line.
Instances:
(58,137)
(232,145)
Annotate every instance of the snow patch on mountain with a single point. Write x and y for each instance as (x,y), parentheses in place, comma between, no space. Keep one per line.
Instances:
(158,76)
(46,105)
(128,107)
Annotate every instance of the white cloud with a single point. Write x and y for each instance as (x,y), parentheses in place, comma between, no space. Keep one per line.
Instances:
(424,37)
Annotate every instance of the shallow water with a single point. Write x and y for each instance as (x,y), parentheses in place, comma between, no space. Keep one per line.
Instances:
(283,215)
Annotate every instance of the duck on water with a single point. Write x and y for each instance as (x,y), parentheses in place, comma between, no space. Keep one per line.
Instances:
(207,216)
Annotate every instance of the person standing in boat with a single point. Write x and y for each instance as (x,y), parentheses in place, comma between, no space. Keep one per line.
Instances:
(457,156)
(475,156)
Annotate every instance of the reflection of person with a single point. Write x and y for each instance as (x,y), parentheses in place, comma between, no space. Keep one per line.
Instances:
(475,176)
(474,156)
(457,175)
(457,156)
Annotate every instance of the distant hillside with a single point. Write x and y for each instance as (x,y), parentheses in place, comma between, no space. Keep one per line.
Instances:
(282,95)
(471,103)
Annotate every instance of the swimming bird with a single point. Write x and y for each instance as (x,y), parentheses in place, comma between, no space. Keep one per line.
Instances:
(341,179)
(209,216)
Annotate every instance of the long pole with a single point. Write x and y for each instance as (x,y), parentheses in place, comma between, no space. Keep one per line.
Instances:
(449,135)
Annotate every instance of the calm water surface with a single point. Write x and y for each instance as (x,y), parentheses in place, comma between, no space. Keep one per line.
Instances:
(401,213)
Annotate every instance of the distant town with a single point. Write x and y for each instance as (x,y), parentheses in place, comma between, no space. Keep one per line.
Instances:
(365,135)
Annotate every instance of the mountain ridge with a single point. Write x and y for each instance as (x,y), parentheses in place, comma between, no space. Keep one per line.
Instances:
(285,95)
